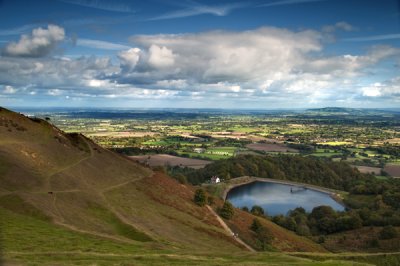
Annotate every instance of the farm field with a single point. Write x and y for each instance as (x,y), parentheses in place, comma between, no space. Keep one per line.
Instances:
(369,170)
(170,160)
(393,170)
(270,147)
(217,135)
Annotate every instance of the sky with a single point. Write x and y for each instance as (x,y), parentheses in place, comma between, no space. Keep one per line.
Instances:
(261,54)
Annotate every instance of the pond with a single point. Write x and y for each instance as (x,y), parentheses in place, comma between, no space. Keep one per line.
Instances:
(279,198)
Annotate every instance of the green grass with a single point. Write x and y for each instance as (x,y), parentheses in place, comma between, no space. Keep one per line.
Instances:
(21,233)
(325,154)
(381,177)
(120,227)
(371,259)
(32,241)
(14,203)
(335,143)
(206,156)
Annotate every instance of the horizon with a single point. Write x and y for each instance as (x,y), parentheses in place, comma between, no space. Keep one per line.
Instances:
(263,55)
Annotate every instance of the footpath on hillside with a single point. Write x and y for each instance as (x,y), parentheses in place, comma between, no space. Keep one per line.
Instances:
(228,230)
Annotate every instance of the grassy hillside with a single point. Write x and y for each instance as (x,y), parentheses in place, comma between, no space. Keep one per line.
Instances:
(66,201)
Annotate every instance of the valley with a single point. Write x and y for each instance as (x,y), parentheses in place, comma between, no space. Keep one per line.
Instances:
(82,189)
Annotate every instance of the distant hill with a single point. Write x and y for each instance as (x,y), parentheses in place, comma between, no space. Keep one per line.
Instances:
(62,194)
(334,110)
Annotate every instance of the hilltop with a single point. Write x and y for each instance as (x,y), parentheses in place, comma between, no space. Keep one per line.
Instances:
(66,200)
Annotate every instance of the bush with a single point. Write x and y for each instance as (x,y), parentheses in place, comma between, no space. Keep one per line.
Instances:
(227,210)
(255,225)
(257,210)
(388,232)
(263,235)
(210,200)
(200,197)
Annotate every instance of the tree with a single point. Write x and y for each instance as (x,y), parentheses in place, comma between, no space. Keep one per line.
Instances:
(181,178)
(388,232)
(257,210)
(200,197)
(263,235)
(210,200)
(255,225)
(227,210)
(321,212)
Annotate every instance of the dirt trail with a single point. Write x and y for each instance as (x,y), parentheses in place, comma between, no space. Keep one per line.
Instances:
(228,230)
(73,228)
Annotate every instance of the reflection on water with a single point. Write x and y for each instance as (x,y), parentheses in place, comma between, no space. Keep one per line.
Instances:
(278,199)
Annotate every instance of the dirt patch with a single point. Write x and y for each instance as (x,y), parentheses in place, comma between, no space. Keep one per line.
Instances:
(165,159)
(270,147)
(393,170)
(123,134)
(369,170)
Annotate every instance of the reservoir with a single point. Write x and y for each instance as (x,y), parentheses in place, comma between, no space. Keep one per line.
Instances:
(279,198)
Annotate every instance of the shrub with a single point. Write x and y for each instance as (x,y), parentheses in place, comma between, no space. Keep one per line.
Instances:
(200,197)
(388,232)
(257,210)
(227,210)
(263,235)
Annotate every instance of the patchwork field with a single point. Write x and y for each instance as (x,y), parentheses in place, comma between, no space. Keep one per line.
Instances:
(393,170)
(121,134)
(270,147)
(166,159)
(369,169)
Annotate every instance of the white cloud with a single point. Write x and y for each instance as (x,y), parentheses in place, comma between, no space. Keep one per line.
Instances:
(393,36)
(386,89)
(48,73)
(9,89)
(129,58)
(97,44)
(372,91)
(265,65)
(289,2)
(160,56)
(342,25)
(113,6)
(40,43)
(195,9)
(216,56)
(54,92)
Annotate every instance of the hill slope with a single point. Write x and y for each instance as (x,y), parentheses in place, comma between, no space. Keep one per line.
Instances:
(64,198)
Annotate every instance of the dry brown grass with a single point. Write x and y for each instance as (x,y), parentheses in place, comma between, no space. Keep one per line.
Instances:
(166,159)
(270,147)
(392,170)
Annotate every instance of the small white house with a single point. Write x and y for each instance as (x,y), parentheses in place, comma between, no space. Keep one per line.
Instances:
(215,180)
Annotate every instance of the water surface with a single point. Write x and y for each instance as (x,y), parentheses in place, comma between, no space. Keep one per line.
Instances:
(278,199)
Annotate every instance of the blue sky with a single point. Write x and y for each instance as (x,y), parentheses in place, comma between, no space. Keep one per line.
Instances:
(221,54)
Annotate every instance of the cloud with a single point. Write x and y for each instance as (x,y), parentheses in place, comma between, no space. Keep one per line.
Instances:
(373,90)
(18,30)
(385,89)
(9,89)
(374,38)
(40,43)
(342,25)
(97,44)
(50,73)
(113,6)
(218,56)
(264,67)
(197,9)
(129,58)
(160,57)
(289,2)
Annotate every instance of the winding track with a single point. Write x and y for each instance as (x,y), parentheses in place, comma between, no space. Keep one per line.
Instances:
(228,230)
